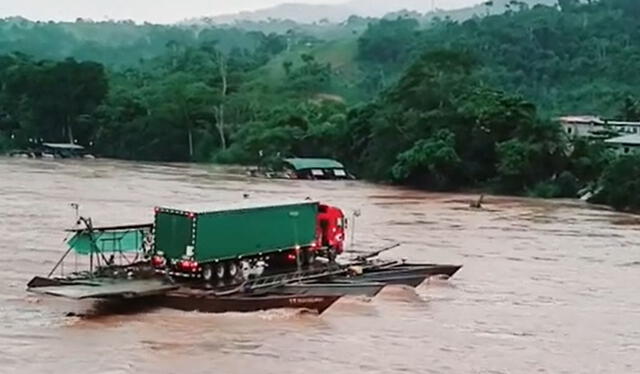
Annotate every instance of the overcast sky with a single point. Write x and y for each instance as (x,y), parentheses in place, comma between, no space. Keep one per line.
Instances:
(159,11)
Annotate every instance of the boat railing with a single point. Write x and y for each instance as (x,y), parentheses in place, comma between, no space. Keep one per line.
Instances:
(277,280)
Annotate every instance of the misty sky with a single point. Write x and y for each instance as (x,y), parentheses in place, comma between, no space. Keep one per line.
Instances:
(158,11)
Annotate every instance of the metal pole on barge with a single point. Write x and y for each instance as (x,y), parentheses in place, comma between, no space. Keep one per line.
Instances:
(76,209)
(59,262)
(356,213)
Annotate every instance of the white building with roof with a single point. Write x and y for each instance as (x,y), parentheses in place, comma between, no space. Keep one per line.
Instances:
(596,127)
(626,144)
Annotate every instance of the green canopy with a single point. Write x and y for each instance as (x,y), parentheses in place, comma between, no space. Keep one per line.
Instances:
(107,241)
(313,163)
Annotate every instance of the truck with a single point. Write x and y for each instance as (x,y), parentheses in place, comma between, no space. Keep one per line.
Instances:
(216,243)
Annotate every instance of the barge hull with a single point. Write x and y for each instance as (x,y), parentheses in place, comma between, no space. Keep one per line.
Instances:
(334,288)
(186,301)
(389,280)
(427,271)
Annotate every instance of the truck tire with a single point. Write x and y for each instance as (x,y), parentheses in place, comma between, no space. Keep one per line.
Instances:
(331,255)
(232,269)
(309,257)
(207,272)
(220,271)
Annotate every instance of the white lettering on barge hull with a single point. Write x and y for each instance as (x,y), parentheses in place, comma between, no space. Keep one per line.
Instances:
(305,300)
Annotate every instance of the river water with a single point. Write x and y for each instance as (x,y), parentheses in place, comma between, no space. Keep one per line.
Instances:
(547,286)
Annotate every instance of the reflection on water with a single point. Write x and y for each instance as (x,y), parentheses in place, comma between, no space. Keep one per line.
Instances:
(548,286)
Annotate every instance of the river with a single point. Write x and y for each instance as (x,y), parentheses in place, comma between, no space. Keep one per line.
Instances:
(547,286)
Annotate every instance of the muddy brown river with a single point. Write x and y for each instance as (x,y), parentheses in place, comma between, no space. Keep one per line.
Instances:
(547,286)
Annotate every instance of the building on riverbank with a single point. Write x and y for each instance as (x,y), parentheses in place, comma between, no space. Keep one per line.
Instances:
(53,150)
(624,145)
(596,127)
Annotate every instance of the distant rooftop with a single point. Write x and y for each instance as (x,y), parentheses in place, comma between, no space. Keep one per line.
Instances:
(313,163)
(64,146)
(580,119)
(595,120)
(622,123)
(632,139)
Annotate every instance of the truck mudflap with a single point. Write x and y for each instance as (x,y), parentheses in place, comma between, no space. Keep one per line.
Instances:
(100,288)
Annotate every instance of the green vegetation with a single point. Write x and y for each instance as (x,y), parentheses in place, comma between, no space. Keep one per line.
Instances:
(620,184)
(444,106)
(441,127)
(579,58)
(115,44)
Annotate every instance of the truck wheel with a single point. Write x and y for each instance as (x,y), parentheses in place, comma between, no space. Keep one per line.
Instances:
(331,255)
(232,269)
(220,272)
(207,272)
(309,257)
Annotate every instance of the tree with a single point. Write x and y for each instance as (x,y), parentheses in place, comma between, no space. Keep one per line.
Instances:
(620,184)
(568,5)
(387,42)
(589,159)
(287,67)
(219,110)
(431,162)
(515,162)
(309,78)
(631,109)
(59,94)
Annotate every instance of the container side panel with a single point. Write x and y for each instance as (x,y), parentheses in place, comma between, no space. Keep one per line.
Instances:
(172,234)
(233,234)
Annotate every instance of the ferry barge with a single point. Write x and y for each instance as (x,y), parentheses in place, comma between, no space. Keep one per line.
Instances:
(244,258)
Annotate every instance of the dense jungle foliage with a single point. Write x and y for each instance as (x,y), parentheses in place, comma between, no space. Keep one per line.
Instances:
(444,106)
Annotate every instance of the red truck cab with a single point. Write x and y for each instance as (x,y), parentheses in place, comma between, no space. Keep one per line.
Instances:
(329,240)
(330,231)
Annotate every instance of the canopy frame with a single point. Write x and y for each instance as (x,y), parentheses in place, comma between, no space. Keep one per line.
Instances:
(96,254)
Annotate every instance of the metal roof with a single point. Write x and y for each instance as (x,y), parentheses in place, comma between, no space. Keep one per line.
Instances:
(633,139)
(580,119)
(225,206)
(63,146)
(313,163)
(595,120)
(622,123)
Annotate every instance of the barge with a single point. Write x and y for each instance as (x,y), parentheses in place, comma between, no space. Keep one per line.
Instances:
(186,260)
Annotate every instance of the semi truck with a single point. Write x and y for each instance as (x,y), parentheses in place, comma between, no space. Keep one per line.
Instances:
(216,243)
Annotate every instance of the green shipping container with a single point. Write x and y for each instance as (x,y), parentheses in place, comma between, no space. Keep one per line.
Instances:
(233,232)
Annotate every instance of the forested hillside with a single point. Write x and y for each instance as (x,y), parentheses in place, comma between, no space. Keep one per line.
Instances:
(574,58)
(443,106)
(115,44)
